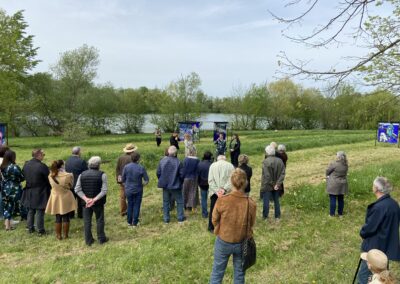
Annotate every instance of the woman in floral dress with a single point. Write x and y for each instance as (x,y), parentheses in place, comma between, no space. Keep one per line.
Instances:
(11,185)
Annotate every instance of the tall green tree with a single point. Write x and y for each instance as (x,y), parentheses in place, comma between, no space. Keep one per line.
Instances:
(180,103)
(17,57)
(76,70)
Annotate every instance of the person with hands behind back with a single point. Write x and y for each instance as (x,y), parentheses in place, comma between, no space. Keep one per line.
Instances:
(92,188)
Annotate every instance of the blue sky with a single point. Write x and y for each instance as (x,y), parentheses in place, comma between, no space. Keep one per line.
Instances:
(150,43)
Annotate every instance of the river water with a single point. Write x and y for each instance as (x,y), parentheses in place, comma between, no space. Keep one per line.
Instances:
(207,120)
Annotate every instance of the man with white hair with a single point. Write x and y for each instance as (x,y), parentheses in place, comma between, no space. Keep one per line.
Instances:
(273,174)
(92,188)
(219,181)
(170,175)
(381,228)
(76,166)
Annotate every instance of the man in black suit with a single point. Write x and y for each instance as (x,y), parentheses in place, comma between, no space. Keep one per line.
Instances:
(37,191)
(76,166)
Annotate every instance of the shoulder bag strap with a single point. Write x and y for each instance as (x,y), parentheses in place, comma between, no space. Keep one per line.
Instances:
(247,221)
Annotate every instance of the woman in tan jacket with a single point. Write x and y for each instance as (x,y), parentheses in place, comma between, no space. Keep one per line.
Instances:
(232,226)
(61,201)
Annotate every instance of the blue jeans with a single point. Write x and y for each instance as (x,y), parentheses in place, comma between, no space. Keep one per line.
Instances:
(177,195)
(332,207)
(134,202)
(204,197)
(266,197)
(363,273)
(222,252)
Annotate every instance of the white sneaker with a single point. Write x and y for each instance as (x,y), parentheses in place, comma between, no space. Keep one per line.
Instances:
(14,222)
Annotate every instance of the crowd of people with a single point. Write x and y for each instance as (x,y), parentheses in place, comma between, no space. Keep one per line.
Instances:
(77,185)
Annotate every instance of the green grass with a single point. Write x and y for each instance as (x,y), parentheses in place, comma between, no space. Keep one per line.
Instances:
(306,247)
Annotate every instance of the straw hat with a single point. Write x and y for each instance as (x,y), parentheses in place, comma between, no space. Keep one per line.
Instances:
(376,258)
(129,148)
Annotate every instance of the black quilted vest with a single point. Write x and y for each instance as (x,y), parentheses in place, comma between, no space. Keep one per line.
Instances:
(91,183)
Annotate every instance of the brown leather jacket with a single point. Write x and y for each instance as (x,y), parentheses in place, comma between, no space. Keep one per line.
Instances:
(230,216)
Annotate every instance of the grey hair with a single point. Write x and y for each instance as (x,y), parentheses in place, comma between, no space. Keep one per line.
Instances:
(221,157)
(270,150)
(281,148)
(243,159)
(94,162)
(172,150)
(341,156)
(273,144)
(76,150)
(382,185)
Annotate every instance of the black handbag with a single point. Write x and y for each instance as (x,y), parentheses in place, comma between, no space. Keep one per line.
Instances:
(249,250)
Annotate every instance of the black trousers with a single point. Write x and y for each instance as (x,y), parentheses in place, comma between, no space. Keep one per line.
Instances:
(39,220)
(98,211)
(158,140)
(213,200)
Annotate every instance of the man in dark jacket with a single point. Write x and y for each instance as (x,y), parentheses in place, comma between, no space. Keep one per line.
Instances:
(174,140)
(37,190)
(92,188)
(273,174)
(76,166)
(381,228)
(123,160)
(170,174)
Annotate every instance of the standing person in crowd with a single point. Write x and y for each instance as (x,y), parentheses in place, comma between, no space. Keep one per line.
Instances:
(221,145)
(219,183)
(336,183)
(281,154)
(61,201)
(12,177)
(202,173)
(170,174)
(378,264)
(157,133)
(76,165)
(234,217)
(92,188)
(244,165)
(134,177)
(273,174)
(189,146)
(3,149)
(37,190)
(190,190)
(174,140)
(123,160)
(234,147)
(381,228)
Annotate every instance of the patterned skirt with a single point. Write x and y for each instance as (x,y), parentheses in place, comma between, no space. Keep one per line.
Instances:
(190,193)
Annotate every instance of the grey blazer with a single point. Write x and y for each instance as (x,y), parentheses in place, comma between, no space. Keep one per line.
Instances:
(336,182)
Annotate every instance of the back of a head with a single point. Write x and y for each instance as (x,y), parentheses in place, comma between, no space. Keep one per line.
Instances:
(172,151)
(135,157)
(273,144)
(239,179)
(76,150)
(8,158)
(207,156)
(36,153)
(94,162)
(3,149)
(378,263)
(341,156)
(55,167)
(243,159)
(382,185)
(221,158)
(270,150)
(281,148)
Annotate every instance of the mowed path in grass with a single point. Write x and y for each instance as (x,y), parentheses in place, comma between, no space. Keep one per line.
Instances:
(305,247)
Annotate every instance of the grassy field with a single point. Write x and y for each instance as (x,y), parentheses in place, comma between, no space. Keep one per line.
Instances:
(305,247)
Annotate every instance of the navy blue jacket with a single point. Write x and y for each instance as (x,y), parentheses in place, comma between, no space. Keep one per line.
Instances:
(381,228)
(190,168)
(170,173)
(76,166)
(202,171)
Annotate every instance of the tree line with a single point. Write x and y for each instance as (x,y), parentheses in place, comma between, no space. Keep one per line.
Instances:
(66,101)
